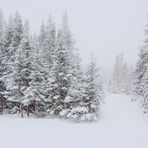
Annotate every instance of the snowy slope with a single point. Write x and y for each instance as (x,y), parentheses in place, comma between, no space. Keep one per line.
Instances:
(121,126)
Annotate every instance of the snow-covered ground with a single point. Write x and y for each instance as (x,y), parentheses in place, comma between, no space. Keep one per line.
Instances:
(121,126)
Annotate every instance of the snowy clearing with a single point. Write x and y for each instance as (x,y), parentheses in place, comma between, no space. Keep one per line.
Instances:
(121,126)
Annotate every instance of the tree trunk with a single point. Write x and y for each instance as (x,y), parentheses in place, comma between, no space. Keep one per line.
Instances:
(21,109)
(2,106)
(36,108)
(27,112)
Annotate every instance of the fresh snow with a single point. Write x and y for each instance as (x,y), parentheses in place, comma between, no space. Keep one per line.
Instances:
(120,126)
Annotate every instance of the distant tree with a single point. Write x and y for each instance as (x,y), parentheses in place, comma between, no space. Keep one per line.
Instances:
(121,77)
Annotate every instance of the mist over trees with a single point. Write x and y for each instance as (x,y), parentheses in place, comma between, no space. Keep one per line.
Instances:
(121,80)
(41,74)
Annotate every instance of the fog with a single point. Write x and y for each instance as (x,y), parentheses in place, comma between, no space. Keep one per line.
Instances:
(102,27)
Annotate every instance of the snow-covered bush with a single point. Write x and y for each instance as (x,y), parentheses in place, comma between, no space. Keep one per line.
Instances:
(88,117)
(77,112)
(64,113)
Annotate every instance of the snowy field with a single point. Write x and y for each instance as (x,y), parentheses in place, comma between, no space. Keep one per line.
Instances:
(121,126)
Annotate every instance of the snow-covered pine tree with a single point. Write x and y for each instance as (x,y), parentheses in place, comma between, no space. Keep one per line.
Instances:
(62,80)
(75,92)
(9,32)
(50,41)
(44,59)
(2,27)
(48,59)
(7,62)
(144,95)
(73,73)
(121,77)
(2,62)
(125,78)
(24,66)
(129,80)
(2,23)
(115,82)
(140,91)
(37,82)
(141,70)
(42,34)
(42,75)
(93,88)
(63,65)
(14,63)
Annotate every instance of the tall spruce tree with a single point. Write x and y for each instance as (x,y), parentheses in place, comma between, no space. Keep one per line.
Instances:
(63,65)
(15,63)
(140,83)
(93,88)
(141,68)
(2,62)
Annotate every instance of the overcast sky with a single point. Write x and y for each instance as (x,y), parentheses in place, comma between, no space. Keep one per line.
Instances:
(104,27)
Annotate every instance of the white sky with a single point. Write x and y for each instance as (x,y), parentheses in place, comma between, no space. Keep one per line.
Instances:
(104,27)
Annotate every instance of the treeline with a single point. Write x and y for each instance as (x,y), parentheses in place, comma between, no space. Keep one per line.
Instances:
(121,81)
(41,74)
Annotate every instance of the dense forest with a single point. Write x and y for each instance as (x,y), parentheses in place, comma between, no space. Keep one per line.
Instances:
(41,74)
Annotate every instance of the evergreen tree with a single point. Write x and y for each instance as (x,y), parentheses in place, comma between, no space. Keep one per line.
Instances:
(144,96)
(36,87)
(48,57)
(24,65)
(8,52)
(50,41)
(93,87)
(75,92)
(62,79)
(63,65)
(115,80)
(121,77)
(139,72)
(15,63)
(140,77)
(2,62)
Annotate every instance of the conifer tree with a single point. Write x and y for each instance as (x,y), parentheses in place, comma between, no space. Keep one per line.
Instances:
(15,63)
(63,65)
(2,62)
(141,69)
(120,82)
(93,87)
